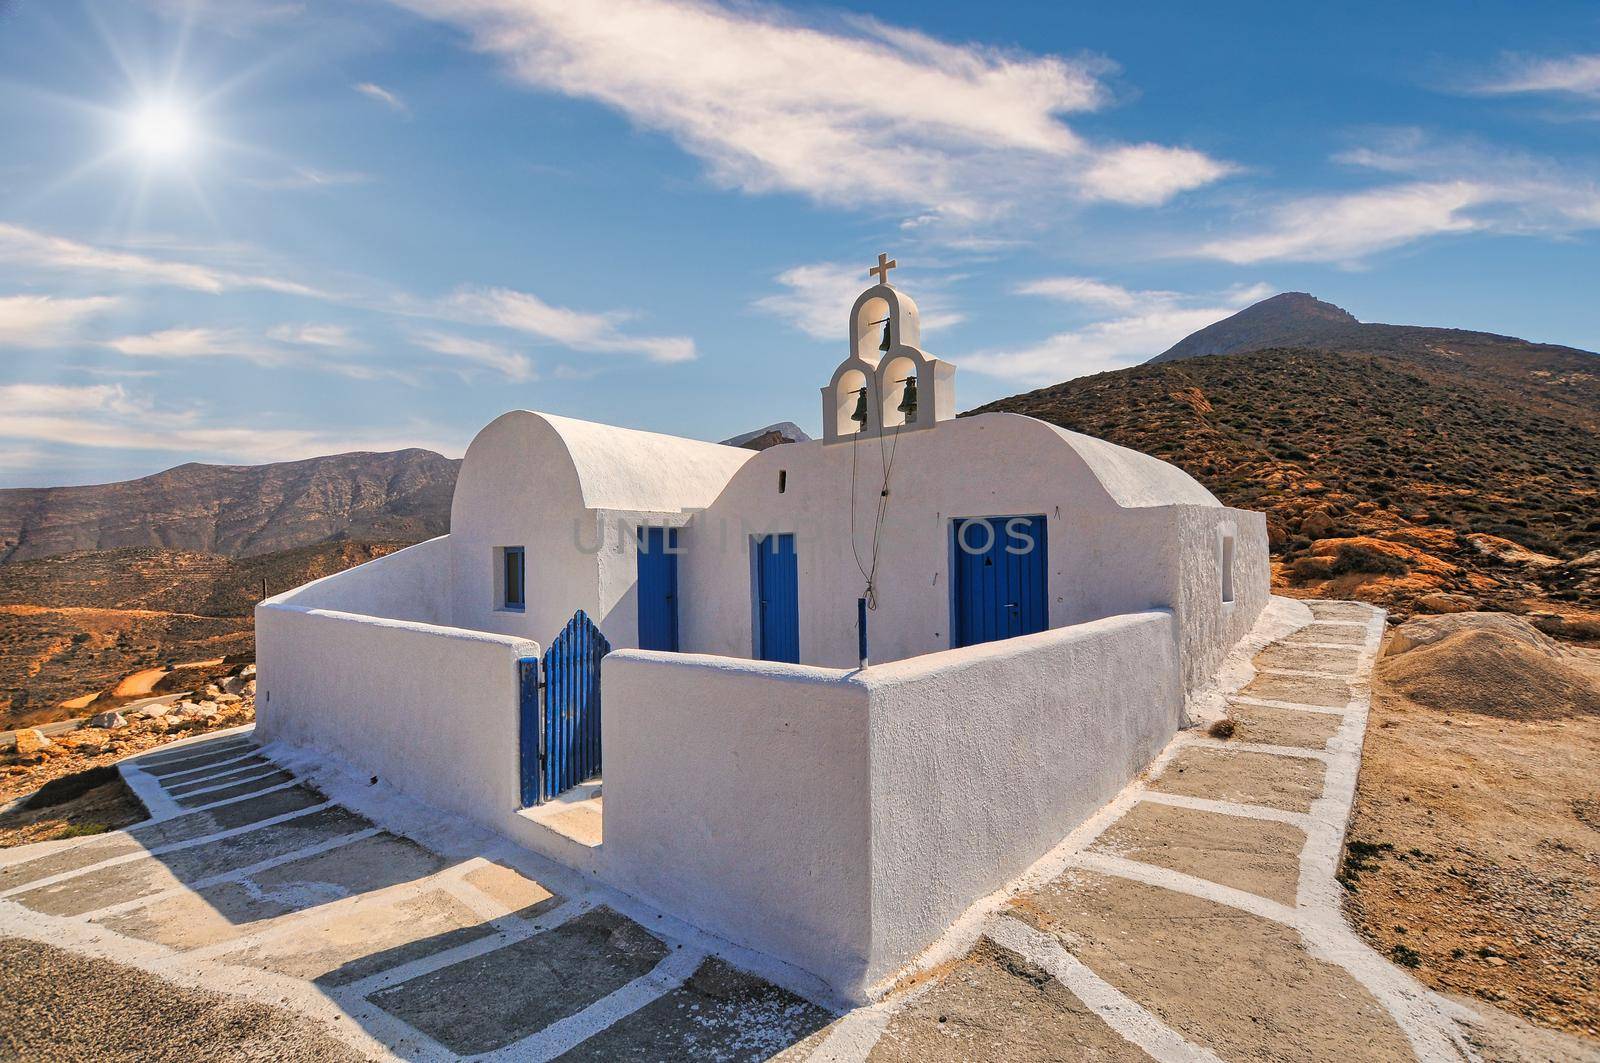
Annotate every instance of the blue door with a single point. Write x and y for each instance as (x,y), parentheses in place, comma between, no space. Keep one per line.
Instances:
(999,582)
(560,712)
(658,589)
(777,599)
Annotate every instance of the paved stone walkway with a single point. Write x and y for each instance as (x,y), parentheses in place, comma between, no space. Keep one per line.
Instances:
(1195,918)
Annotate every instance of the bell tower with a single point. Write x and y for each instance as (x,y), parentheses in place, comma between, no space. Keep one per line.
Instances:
(887,382)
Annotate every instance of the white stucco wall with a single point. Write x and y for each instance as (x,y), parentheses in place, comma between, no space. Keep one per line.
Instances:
(736,797)
(840,820)
(431,710)
(984,758)
(555,486)
(410,584)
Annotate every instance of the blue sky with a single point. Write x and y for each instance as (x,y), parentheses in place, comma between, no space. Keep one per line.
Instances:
(256,230)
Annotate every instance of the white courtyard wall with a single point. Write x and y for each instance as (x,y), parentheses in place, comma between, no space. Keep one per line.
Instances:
(410,584)
(431,710)
(736,797)
(984,758)
(1211,626)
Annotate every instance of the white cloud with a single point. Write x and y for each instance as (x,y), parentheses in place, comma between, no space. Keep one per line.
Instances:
(863,114)
(331,336)
(576,329)
(43,320)
(28,247)
(1344,228)
(511,364)
(109,417)
(307,177)
(1147,175)
(382,95)
(1576,75)
(1147,323)
(196,343)
(818,296)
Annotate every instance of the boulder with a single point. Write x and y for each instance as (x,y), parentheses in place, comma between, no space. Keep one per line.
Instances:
(250,689)
(1427,630)
(228,699)
(1317,525)
(1442,602)
(232,685)
(247,672)
(210,690)
(32,741)
(109,720)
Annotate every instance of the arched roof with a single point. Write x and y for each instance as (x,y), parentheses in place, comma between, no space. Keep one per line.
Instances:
(1134,480)
(621,468)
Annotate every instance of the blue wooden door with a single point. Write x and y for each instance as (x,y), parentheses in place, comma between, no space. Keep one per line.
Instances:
(560,719)
(777,599)
(999,587)
(658,589)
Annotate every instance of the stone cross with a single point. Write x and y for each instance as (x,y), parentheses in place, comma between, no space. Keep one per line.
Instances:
(881,270)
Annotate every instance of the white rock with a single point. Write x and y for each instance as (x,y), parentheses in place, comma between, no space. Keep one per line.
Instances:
(109,720)
(32,741)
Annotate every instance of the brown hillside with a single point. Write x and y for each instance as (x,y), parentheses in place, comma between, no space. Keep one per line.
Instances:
(74,625)
(237,510)
(1423,481)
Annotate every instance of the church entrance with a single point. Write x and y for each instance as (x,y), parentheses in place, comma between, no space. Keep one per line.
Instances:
(998,585)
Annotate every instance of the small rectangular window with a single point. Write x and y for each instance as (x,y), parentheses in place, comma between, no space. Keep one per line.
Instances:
(783,480)
(513,586)
(1227,569)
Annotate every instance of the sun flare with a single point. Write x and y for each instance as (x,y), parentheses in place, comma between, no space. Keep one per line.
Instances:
(161,131)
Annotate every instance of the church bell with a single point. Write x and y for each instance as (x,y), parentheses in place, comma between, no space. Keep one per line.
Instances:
(859,414)
(908,399)
(884,346)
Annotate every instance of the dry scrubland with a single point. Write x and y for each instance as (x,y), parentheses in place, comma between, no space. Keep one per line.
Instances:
(1474,855)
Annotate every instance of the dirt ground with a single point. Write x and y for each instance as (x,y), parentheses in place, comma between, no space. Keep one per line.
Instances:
(1474,853)
(62,1006)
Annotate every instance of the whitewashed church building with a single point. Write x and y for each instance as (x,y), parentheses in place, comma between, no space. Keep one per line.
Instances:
(850,686)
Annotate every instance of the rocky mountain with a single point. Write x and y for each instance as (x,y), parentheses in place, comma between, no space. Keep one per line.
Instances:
(237,510)
(1425,469)
(770,436)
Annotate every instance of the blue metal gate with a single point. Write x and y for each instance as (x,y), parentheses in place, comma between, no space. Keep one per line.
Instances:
(998,587)
(658,589)
(777,599)
(560,712)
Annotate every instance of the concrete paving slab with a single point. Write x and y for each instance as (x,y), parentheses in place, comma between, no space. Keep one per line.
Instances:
(62,861)
(166,757)
(1257,856)
(149,875)
(210,770)
(1358,611)
(195,800)
(490,1001)
(1328,693)
(995,1007)
(1282,727)
(373,935)
(1329,634)
(1242,986)
(372,863)
(1340,661)
(718,1013)
(507,886)
(232,775)
(193,920)
(1247,778)
(232,816)
(195,760)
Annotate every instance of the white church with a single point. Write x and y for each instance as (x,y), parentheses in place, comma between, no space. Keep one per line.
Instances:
(842,689)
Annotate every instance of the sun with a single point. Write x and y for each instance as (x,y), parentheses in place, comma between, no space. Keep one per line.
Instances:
(162,131)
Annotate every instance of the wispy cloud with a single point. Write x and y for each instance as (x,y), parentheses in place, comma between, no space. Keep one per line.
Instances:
(576,329)
(858,114)
(816,300)
(38,250)
(337,337)
(510,364)
(1145,324)
(196,343)
(1451,188)
(106,416)
(305,177)
(45,321)
(1573,75)
(384,96)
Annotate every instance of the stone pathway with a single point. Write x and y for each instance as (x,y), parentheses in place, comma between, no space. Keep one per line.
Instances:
(1195,918)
